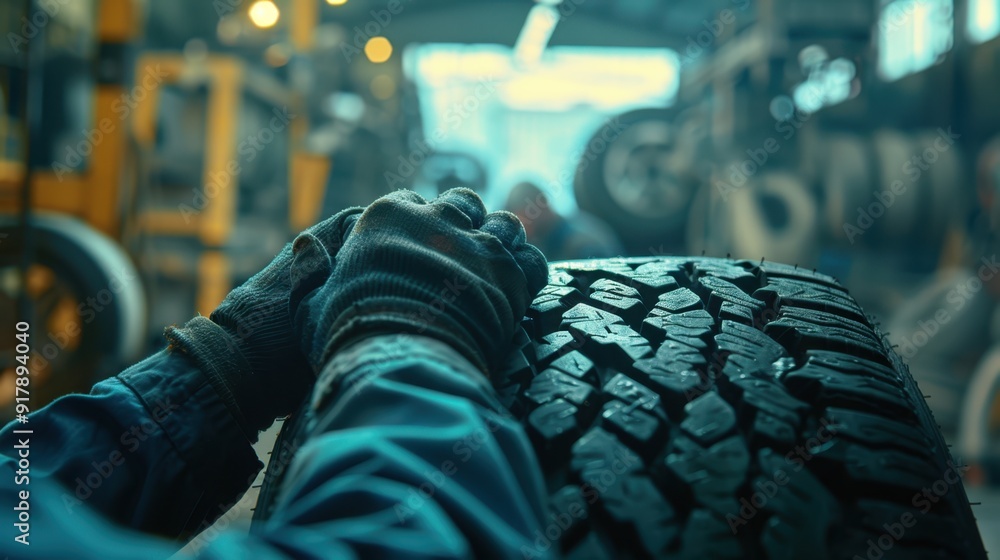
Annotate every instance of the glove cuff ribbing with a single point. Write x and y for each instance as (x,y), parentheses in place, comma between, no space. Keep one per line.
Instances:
(215,352)
(388,314)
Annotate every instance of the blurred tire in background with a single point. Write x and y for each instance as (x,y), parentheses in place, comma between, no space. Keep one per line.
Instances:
(88,302)
(643,182)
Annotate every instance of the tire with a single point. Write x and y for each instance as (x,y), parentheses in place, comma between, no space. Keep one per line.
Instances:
(639,174)
(859,178)
(710,408)
(773,214)
(90,267)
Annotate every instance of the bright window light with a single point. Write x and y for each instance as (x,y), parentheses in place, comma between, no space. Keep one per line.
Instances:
(983,22)
(913,35)
(532,120)
(535,34)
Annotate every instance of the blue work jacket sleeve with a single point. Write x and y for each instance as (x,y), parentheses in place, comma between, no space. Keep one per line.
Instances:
(404,452)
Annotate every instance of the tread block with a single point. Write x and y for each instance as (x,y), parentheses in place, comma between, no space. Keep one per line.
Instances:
(772,431)
(661,268)
(730,311)
(773,270)
(709,419)
(579,366)
(799,336)
(738,366)
(834,389)
(853,365)
(546,314)
(566,294)
(757,395)
(784,292)
(548,307)
(611,344)
(697,339)
(679,301)
(673,356)
(554,426)
(556,345)
(720,291)
(618,299)
(708,535)
(740,339)
(639,515)
(611,287)
(694,319)
(886,471)
(728,302)
(599,453)
(583,313)
(633,394)
(734,274)
(636,428)
(586,273)
(552,384)
(876,431)
(829,320)
(660,325)
(568,510)
(677,389)
(713,474)
(559,277)
(650,286)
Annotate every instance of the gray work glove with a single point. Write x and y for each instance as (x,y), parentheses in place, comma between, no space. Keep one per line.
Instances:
(444,269)
(248,346)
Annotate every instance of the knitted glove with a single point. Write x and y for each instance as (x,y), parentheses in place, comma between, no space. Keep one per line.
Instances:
(444,269)
(248,346)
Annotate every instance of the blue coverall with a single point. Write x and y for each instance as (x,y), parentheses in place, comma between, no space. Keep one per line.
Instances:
(408,455)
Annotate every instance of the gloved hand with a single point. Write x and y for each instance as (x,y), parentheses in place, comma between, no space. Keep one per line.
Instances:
(444,269)
(248,346)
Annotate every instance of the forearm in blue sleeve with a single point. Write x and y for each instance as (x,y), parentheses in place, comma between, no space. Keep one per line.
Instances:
(152,449)
(410,455)
(406,454)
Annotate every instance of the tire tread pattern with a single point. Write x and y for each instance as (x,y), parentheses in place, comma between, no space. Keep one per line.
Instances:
(659,391)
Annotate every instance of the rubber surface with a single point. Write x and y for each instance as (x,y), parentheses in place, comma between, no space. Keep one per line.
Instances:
(710,408)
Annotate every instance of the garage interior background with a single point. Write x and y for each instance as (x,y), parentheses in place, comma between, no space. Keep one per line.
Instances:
(166,150)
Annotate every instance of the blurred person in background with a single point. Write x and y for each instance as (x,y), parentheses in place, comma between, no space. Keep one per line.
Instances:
(581,236)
